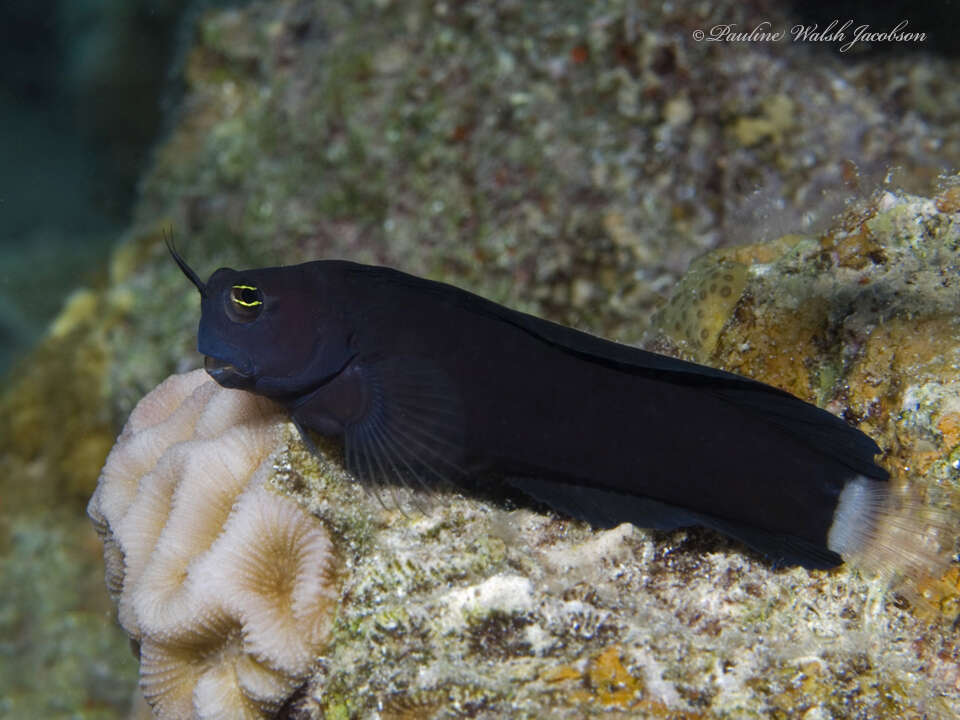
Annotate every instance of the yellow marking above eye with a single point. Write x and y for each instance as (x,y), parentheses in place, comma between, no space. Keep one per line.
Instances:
(238,293)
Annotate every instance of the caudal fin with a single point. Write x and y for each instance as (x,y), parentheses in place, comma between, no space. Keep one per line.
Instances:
(877,529)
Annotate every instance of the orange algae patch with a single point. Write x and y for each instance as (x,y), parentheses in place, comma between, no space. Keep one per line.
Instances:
(855,249)
(949,427)
(606,682)
(949,200)
(899,353)
(771,345)
(610,680)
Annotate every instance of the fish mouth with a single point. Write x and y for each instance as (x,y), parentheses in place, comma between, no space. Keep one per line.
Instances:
(226,374)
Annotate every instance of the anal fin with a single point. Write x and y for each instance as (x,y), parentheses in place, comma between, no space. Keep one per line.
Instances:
(607,508)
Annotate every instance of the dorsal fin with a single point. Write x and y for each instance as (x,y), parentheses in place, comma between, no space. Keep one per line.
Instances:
(818,429)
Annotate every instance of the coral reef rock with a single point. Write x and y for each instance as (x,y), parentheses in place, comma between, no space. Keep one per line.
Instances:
(861,319)
(478,608)
(227,587)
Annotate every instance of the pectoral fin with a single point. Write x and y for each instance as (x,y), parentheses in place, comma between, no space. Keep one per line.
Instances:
(411,429)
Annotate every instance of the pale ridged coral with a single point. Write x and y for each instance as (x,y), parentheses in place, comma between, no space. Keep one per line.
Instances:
(227,586)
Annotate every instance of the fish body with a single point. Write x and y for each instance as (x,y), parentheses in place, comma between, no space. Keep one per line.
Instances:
(429,383)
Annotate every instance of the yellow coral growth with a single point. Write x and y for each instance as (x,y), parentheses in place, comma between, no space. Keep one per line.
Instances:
(701,304)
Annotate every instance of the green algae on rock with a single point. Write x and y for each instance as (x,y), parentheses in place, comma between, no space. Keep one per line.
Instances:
(483,610)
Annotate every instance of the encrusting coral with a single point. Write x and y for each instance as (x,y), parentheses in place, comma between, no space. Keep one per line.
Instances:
(227,586)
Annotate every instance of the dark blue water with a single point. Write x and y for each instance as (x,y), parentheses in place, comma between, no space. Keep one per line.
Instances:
(86,88)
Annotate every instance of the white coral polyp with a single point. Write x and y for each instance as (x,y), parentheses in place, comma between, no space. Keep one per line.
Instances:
(266,565)
(228,587)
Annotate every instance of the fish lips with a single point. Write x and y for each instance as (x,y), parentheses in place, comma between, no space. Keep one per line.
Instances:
(228,375)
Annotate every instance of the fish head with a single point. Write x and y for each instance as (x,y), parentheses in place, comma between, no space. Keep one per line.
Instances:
(269,330)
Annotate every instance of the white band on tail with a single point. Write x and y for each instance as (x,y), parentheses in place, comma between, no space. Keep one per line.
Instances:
(855,519)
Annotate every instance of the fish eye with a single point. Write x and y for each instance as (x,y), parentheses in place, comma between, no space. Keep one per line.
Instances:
(245,303)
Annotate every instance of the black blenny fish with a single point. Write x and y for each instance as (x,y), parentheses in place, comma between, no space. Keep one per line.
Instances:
(428,382)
